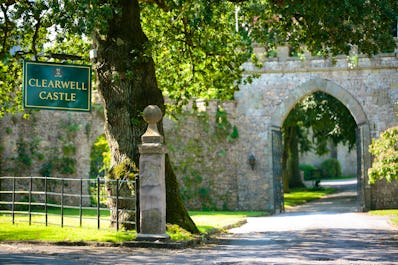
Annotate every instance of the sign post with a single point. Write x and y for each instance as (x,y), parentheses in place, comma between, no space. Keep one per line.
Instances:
(54,86)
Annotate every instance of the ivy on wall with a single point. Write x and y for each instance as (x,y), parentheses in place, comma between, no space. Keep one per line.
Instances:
(26,153)
(62,161)
(224,128)
(195,149)
(32,153)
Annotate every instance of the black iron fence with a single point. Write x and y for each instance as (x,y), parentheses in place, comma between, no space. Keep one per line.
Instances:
(70,201)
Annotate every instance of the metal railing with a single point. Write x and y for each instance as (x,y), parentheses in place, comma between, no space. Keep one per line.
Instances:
(68,199)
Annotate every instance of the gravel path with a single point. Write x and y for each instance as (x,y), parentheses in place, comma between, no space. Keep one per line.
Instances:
(328,231)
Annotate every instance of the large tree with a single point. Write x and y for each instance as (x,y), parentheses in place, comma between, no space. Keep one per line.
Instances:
(198,47)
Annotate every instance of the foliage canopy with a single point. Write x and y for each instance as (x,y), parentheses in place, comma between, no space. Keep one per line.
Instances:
(198,46)
(328,118)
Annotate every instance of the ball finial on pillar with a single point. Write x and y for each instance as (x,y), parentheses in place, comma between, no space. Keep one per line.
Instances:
(152,114)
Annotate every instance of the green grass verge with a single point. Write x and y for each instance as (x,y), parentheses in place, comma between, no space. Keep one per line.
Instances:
(217,220)
(72,211)
(303,195)
(391,212)
(52,233)
(21,230)
(338,178)
(71,218)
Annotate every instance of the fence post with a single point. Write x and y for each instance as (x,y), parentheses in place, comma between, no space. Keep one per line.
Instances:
(13,200)
(98,202)
(137,203)
(30,200)
(117,204)
(152,180)
(81,203)
(45,199)
(62,203)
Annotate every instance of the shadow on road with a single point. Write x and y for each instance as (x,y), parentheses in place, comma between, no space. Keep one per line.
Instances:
(329,230)
(362,246)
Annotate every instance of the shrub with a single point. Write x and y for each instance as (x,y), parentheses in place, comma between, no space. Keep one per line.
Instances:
(330,168)
(385,152)
(307,169)
(178,233)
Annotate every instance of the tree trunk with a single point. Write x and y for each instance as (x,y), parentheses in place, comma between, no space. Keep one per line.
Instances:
(127,83)
(285,175)
(291,158)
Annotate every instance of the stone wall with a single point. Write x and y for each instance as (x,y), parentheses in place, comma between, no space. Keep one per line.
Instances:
(211,153)
(50,143)
(202,147)
(385,195)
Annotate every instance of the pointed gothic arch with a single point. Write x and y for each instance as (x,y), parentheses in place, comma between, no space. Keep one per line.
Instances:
(363,136)
(315,85)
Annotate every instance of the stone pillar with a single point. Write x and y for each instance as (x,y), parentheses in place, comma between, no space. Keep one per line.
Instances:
(152,180)
(282,52)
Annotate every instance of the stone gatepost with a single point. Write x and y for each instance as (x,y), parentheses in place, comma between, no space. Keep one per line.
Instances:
(152,180)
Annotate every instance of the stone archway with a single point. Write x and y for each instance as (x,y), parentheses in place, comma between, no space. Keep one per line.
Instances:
(363,136)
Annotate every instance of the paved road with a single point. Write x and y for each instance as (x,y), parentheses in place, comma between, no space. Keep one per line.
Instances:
(323,232)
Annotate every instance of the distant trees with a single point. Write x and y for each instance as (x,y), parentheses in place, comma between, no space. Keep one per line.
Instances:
(328,119)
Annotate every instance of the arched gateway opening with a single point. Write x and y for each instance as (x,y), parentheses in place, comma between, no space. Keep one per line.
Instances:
(363,137)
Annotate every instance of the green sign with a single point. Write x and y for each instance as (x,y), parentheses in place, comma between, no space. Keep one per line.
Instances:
(56,86)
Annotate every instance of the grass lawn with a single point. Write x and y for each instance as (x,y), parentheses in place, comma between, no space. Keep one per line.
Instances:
(52,233)
(207,221)
(71,217)
(392,212)
(215,220)
(339,177)
(21,230)
(303,195)
(71,232)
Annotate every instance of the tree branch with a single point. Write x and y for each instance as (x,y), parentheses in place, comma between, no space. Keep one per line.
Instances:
(3,51)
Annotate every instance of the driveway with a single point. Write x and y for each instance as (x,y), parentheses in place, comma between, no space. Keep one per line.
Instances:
(326,231)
